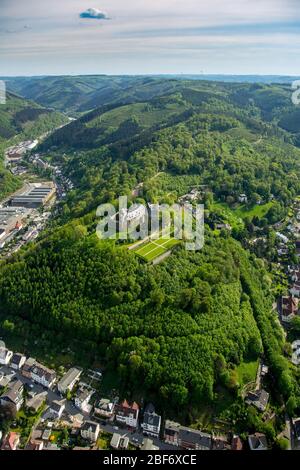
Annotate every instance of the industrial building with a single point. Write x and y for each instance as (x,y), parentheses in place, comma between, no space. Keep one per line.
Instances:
(36,197)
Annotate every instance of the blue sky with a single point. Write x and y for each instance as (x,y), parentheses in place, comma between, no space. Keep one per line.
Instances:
(39,37)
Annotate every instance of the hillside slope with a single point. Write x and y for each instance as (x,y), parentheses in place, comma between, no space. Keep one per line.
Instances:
(20,120)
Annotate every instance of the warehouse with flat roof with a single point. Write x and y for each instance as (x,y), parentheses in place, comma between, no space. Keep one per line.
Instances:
(37,197)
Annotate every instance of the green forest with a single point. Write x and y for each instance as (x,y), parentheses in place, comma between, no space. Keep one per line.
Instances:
(179,331)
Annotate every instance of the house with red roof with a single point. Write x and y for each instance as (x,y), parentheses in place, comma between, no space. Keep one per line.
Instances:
(289,308)
(11,441)
(127,413)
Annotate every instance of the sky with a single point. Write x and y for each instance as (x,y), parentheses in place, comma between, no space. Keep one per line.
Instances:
(73,37)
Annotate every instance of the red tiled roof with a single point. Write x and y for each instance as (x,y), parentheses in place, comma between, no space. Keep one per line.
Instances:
(289,305)
(10,441)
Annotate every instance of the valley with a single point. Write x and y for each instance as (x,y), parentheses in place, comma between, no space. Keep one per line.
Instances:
(188,333)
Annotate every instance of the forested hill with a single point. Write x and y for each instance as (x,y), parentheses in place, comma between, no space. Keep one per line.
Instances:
(180,329)
(78,94)
(20,116)
(177,332)
(142,113)
(21,119)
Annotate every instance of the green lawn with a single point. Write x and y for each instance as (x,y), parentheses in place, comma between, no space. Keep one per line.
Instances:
(247,372)
(25,422)
(254,211)
(235,215)
(155,248)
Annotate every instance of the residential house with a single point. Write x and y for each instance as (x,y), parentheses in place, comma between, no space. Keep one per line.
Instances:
(171,433)
(82,399)
(119,442)
(57,408)
(68,381)
(42,375)
(34,403)
(243,198)
(26,369)
(17,361)
(220,443)
(115,441)
(295,275)
(46,434)
(127,414)
(289,308)
(148,445)
(151,421)
(90,431)
(295,289)
(5,356)
(296,424)
(77,420)
(223,227)
(296,352)
(11,441)
(34,445)
(282,237)
(264,370)
(104,408)
(257,441)
(51,446)
(186,438)
(193,439)
(14,395)
(236,443)
(259,399)
(5,379)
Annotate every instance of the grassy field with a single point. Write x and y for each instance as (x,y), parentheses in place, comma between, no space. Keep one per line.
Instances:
(153,249)
(254,211)
(247,372)
(235,215)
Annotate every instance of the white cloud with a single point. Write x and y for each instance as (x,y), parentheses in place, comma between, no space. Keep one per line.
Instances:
(94,14)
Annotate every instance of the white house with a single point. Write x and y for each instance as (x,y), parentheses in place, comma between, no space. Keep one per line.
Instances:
(90,431)
(136,211)
(68,381)
(104,408)
(82,399)
(5,356)
(243,198)
(295,289)
(282,237)
(42,375)
(296,352)
(57,408)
